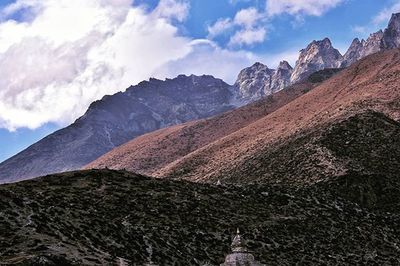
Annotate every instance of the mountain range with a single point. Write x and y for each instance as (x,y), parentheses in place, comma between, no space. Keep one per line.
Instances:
(297,135)
(155,104)
(304,161)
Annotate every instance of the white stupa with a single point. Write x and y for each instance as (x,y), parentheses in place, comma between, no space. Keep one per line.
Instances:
(240,256)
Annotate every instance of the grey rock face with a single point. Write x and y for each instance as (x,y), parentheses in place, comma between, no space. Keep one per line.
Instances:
(378,41)
(254,82)
(317,56)
(115,119)
(391,35)
(258,80)
(373,44)
(360,49)
(354,53)
(281,77)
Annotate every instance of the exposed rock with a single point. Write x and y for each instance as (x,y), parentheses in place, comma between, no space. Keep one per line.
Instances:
(256,151)
(281,77)
(317,56)
(378,41)
(373,44)
(115,119)
(150,152)
(391,36)
(360,49)
(254,82)
(258,80)
(354,53)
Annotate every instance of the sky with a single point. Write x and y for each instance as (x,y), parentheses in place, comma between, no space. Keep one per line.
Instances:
(58,56)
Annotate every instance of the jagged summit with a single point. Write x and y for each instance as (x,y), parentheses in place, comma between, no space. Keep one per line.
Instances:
(254,82)
(353,53)
(284,65)
(258,65)
(391,35)
(316,56)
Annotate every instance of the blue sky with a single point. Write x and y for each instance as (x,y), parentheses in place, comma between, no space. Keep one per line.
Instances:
(47,98)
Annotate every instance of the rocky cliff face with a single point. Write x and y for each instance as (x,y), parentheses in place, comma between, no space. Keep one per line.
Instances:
(353,54)
(281,76)
(373,44)
(116,119)
(254,82)
(258,80)
(378,41)
(316,56)
(391,35)
(360,49)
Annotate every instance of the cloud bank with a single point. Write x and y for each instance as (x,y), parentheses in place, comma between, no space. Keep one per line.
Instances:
(63,54)
(250,26)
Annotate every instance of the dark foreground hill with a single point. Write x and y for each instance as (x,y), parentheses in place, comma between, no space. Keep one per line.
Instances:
(112,217)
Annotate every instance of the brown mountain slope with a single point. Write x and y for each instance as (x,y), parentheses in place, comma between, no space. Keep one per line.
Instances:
(155,150)
(371,83)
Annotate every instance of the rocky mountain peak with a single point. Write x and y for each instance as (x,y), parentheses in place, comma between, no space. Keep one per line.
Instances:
(118,118)
(391,36)
(378,41)
(373,44)
(259,66)
(254,82)
(316,56)
(284,65)
(354,52)
(394,23)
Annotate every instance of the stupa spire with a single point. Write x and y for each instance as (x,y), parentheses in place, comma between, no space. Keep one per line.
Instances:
(240,256)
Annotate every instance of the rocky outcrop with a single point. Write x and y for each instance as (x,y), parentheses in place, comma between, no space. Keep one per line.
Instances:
(116,119)
(354,53)
(391,35)
(258,80)
(378,41)
(316,56)
(254,82)
(281,77)
(360,49)
(373,44)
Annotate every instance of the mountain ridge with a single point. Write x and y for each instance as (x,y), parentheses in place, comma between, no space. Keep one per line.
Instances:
(117,119)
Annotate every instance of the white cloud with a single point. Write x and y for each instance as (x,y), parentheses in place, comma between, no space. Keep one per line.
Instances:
(247,27)
(250,26)
(384,15)
(219,27)
(172,9)
(248,36)
(248,17)
(360,29)
(300,7)
(72,52)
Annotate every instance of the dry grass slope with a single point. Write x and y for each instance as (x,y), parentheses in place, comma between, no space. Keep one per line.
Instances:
(101,217)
